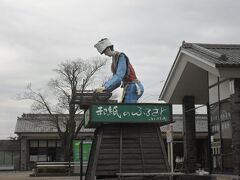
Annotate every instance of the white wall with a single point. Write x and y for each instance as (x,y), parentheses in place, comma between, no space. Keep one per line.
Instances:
(213,91)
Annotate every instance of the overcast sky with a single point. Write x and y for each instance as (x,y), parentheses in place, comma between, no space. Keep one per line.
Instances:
(37,35)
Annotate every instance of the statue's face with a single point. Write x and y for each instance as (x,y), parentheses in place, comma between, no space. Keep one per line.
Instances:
(108,52)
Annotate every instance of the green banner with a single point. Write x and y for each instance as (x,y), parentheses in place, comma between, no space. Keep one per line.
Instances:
(86,150)
(125,113)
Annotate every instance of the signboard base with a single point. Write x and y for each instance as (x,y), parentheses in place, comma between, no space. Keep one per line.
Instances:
(126,148)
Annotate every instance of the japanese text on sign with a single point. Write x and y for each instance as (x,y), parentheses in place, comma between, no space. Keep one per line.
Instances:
(131,112)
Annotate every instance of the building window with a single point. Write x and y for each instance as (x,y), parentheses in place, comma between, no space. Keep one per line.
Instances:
(59,144)
(42,143)
(1,158)
(52,143)
(42,157)
(33,143)
(6,158)
(221,133)
(45,150)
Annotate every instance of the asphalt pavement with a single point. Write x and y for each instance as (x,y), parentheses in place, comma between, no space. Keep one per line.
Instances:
(20,175)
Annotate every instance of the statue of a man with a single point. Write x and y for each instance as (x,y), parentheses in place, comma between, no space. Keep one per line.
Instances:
(123,73)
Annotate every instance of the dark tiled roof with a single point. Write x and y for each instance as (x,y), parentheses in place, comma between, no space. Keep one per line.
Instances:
(219,54)
(201,123)
(41,123)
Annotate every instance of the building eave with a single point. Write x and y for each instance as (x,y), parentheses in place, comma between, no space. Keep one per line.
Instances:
(178,68)
(166,84)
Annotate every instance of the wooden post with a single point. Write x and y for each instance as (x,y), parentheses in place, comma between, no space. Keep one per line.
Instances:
(189,129)
(235,117)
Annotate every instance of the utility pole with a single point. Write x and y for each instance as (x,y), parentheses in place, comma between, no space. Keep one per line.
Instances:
(169,137)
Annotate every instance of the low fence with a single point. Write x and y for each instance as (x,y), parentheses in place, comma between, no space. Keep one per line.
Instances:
(7,168)
(58,168)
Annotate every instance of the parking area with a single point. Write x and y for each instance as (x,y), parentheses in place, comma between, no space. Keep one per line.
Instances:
(19,175)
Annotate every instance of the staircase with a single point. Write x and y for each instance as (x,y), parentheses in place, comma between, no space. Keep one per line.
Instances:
(126,148)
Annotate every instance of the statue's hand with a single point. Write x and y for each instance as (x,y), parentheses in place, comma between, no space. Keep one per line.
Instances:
(100,90)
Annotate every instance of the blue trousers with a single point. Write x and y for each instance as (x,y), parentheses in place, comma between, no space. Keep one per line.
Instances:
(131,95)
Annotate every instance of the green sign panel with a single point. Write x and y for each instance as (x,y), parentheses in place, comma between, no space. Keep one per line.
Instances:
(76,147)
(86,150)
(129,113)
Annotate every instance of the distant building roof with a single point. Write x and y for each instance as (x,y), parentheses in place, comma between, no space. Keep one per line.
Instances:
(219,54)
(41,123)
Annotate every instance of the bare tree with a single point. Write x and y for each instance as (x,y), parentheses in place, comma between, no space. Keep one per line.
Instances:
(71,76)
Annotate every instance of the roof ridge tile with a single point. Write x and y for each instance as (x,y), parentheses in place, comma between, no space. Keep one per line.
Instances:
(204,50)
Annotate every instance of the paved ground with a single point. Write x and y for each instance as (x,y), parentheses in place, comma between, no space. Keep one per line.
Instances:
(20,175)
(25,176)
